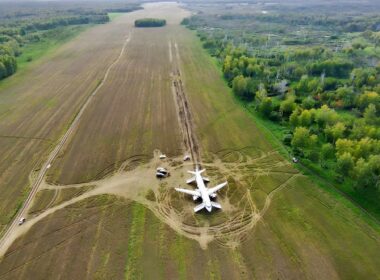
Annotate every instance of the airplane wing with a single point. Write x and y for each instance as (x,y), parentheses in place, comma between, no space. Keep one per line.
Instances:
(190,192)
(199,207)
(191,180)
(216,188)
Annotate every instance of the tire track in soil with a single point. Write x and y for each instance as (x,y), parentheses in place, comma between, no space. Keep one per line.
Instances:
(190,141)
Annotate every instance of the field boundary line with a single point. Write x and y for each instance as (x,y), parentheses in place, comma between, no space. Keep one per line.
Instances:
(4,244)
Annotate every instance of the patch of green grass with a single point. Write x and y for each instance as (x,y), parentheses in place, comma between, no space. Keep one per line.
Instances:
(50,40)
(135,241)
(114,16)
(178,251)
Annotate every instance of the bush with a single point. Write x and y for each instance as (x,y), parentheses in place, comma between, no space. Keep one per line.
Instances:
(287,139)
(150,22)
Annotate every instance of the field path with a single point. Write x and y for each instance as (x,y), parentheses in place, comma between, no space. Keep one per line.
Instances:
(5,241)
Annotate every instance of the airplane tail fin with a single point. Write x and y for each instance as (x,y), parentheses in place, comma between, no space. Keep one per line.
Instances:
(199,207)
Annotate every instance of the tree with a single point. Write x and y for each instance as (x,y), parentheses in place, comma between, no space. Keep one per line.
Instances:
(335,132)
(327,151)
(347,95)
(288,106)
(325,115)
(293,119)
(345,163)
(302,138)
(363,173)
(302,86)
(240,86)
(344,146)
(370,114)
(305,119)
(308,103)
(3,71)
(265,106)
(367,98)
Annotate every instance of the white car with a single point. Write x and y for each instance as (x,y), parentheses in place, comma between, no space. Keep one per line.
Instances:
(295,160)
(162,156)
(186,158)
(162,170)
(21,221)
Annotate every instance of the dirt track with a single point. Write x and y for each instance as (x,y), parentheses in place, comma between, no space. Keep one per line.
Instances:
(190,141)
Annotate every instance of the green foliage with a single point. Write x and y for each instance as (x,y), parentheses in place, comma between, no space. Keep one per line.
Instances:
(345,163)
(325,91)
(150,22)
(265,107)
(302,138)
(287,106)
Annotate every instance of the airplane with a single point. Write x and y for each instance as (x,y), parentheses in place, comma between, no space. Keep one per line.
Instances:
(202,191)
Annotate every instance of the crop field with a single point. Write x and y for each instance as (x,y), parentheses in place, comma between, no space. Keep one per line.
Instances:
(99,213)
(36,107)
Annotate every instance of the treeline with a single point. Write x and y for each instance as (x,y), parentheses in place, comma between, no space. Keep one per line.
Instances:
(340,23)
(13,37)
(327,100)
(64,21)
(150,22)
(9,49)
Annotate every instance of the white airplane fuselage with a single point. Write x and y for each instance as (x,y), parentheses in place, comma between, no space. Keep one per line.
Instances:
(203,190)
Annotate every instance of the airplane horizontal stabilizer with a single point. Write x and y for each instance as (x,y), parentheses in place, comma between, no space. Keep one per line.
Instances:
(190,192)
(216,205)
(191,180)
(199,207)
(205,179)
(216,188)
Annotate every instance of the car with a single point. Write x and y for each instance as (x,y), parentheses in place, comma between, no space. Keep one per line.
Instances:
(295,160)
(186,158)
(162,156)
(21,221)
(162,170)
(160,175)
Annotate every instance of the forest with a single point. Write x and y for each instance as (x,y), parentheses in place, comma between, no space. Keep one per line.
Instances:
(27,23)
(316,78)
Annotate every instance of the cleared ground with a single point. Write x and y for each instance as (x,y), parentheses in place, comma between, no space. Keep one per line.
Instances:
(123,223)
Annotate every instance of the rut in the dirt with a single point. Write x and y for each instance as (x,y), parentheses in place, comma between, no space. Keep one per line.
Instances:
(190,141)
